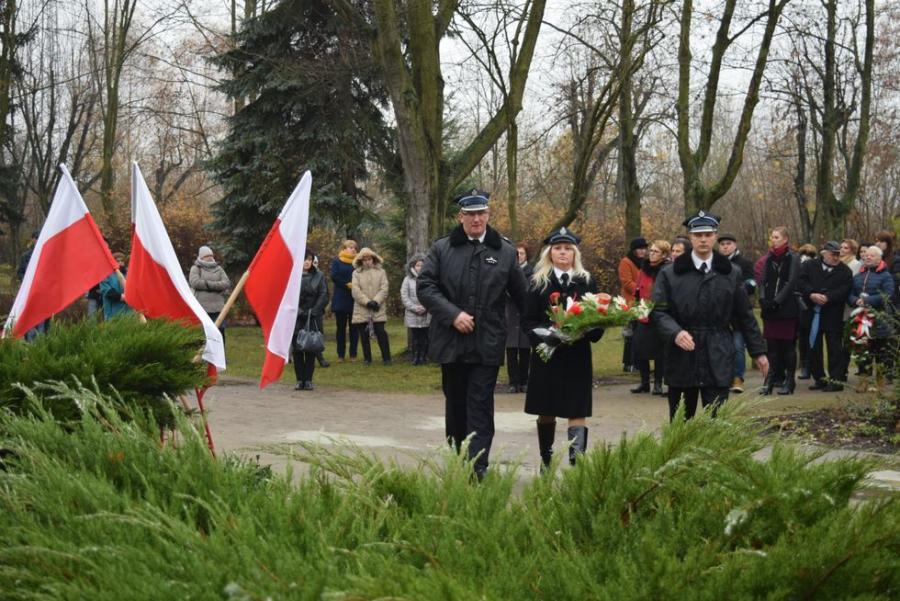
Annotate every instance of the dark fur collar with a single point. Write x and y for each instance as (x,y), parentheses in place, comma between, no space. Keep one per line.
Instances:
(685,263)
(491,238)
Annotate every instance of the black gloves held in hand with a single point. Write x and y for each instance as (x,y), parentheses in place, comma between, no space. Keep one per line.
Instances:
(373,305)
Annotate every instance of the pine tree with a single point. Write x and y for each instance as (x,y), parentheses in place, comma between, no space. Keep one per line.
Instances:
(315,101)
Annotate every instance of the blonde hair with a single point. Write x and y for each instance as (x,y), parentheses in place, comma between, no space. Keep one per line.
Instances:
(782,230)
(544,267)
(663,246)
(348,243)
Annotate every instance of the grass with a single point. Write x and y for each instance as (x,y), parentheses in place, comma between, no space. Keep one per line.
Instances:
(100,511)
(244,351)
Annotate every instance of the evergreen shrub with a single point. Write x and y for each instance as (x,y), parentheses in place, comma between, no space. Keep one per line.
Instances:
(141,362)
(101,511)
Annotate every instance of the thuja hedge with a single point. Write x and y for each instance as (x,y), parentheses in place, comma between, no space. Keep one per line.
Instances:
(100,511)
(141,362)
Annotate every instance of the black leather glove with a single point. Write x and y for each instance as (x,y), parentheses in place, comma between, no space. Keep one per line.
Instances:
(594,335)
(373,305)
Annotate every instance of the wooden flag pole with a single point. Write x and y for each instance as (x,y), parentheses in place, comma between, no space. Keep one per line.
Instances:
(231,299)
(201,391)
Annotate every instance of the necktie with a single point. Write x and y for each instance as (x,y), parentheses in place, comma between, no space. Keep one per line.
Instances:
(564,280)
(703,268)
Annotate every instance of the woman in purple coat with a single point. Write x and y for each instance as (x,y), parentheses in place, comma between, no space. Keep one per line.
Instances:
(780,310)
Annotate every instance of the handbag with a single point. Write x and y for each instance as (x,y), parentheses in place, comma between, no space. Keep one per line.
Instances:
(310,340)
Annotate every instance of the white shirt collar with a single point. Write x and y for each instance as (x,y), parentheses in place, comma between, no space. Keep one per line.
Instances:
(480,238)
(698,261)
(559,273)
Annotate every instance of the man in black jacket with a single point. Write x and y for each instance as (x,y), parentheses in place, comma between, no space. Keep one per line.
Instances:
(464,285)
(728,248)
(825,284)
(697,300)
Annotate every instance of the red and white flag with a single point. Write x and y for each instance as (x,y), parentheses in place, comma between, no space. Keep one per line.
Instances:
(156,284)
(273,286)
(69,257)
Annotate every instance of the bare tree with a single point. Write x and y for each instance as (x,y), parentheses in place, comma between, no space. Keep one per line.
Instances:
(413,75)
(697,193)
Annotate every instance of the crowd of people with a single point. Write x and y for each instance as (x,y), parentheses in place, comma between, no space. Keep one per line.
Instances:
(475,302)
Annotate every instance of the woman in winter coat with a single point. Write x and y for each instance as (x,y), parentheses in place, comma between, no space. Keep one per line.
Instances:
(646,343)
(518,348)
(311,309)
(873,288)
(210,284)
(415,316)
(342,299)
(562,386)
(780,310)
(370,292)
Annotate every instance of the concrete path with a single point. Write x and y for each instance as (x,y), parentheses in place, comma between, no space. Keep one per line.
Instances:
(267,424)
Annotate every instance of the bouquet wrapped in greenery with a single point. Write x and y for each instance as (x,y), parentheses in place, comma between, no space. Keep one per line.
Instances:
(579,317)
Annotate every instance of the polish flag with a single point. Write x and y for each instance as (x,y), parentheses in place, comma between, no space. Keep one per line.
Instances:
(273,286)
(156,284)
(69,258)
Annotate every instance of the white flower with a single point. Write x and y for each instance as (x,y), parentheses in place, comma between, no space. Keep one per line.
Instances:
(620,302)
(590,297)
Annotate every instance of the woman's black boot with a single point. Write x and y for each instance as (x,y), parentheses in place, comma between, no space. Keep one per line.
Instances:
(578,435)
(546,435)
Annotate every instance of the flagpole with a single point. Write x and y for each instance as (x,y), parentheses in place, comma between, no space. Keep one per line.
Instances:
(231,299)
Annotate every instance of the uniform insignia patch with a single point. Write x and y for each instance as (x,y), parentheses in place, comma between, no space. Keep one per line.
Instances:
(490,260)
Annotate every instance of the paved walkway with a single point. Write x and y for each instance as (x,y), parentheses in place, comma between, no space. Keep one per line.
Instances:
(396,426)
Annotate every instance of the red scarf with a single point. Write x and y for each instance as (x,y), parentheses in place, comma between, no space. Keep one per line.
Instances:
(779,251)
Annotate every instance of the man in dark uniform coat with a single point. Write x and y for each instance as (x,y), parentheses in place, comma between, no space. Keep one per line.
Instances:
(697,300)
(464,285)
(825,284)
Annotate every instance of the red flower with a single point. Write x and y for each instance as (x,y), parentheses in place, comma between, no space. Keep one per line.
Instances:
(554,298)
(603,309)
(575,309)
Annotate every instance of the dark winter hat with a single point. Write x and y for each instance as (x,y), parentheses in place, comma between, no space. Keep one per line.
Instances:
(727,236)
(831,247)
(638,243)
(474,200)
(562,235)
(702,222)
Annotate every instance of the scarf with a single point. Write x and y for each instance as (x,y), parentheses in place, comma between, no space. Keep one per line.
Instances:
(779,252)
(346,257)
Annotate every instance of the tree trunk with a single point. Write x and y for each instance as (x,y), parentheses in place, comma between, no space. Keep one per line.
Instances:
(512,176)
(626,179)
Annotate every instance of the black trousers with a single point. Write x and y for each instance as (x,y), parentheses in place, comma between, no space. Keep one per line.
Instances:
(418,343)
(518,360)
(304,366)
(469,407)
(838,358)
(659,368)
(342,321)
(782,355)
(709,395)
(803,349)
(383,343)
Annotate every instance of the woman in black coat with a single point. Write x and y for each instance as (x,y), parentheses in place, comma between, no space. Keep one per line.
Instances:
(313,299)
(780,310)
(561,387)
(646,344)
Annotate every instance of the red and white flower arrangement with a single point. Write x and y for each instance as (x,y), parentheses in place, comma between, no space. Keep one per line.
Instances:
(577,318)
(861,325)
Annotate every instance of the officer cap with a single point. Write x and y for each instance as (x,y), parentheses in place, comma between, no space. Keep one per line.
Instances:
(560,236)
(702,222)
(474,200)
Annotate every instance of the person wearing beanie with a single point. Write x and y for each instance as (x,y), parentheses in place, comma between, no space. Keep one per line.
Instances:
(728,247)
(210,284)
(629,271)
